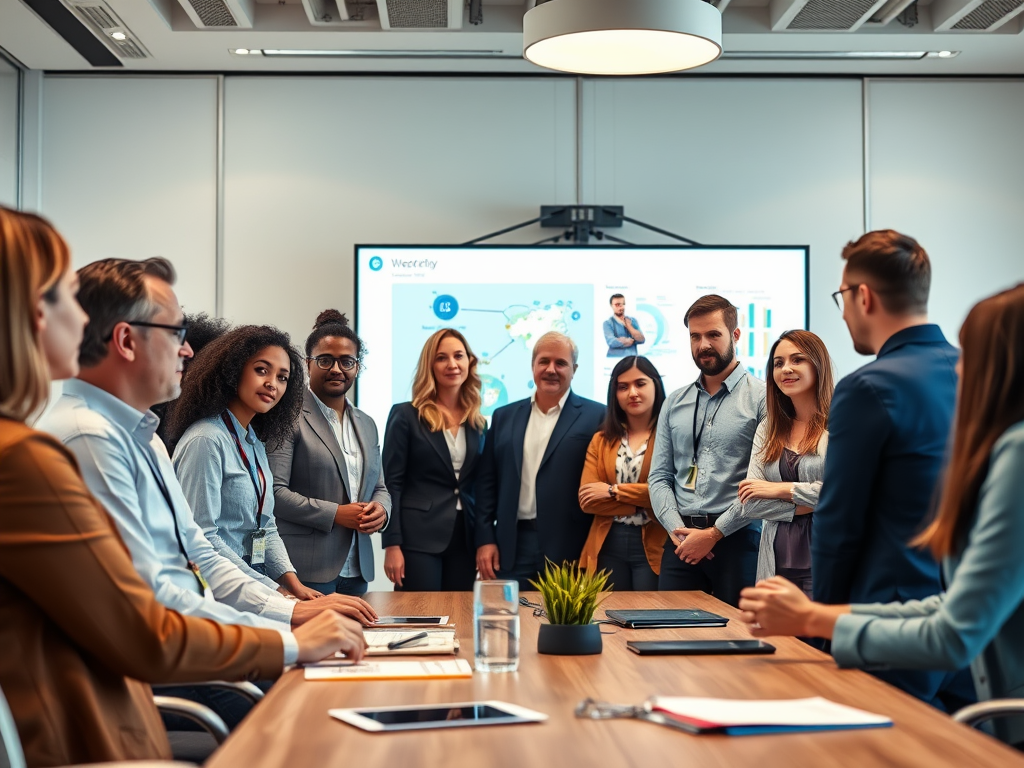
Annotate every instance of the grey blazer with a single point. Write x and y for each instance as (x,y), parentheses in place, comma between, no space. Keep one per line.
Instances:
(773,511)
(310,481)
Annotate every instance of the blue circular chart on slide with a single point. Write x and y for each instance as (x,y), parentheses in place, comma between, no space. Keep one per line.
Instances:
(446,307)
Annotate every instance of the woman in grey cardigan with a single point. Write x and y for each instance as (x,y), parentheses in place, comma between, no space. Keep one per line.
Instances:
(788,456)
(978,533)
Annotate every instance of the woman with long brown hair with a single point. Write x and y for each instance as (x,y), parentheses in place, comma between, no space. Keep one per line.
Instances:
(788,456)
(431,446)
(978,533)
(75,668)
(625,537)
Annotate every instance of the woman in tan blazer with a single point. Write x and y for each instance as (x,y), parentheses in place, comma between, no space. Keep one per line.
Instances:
(625,538)
(79,629)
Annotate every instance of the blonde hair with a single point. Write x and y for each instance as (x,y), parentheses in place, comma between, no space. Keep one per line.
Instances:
(424,386)
(33,258)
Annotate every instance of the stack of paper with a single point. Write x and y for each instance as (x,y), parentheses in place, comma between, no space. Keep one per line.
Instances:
(389,670)
(437,641)
(740,718)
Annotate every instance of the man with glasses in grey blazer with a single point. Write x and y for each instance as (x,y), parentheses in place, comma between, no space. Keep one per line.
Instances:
(328,480)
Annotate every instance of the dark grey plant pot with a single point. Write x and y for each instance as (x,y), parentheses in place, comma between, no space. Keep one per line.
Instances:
(570,639)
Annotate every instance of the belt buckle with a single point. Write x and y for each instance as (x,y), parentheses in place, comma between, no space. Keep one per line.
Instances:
(705,519)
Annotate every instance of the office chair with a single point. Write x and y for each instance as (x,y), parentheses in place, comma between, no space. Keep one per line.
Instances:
(197,746)
(12,756)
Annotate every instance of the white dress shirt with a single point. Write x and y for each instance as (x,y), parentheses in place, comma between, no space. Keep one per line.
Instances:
(120,456)
(457,450)
(538,433)
(345,434)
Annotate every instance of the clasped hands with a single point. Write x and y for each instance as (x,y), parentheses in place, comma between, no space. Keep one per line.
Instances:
(695,544)
(367,517)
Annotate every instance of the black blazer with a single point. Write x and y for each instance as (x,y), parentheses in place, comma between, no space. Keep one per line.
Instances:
(562,526)
(421,481)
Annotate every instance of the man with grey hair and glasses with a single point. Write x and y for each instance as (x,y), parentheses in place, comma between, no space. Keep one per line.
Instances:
(527,506)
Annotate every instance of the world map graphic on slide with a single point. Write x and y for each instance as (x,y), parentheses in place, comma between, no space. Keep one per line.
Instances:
(501,322)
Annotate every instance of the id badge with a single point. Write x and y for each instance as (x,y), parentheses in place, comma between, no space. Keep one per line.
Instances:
(690,483)
(201,580)
(257,547)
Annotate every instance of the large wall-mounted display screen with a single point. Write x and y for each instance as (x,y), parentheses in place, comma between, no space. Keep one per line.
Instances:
(503,298)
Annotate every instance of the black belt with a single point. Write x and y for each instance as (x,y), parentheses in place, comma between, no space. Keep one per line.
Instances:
(700,521)
(527,525)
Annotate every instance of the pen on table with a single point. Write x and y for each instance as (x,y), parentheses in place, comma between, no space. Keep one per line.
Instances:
(406,640)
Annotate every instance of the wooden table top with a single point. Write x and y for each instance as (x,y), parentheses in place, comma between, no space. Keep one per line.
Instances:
(291,726)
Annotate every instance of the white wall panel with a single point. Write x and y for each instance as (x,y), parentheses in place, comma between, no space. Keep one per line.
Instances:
(735,162)
(947,167)
(129,171)
(317,165)
(9,108)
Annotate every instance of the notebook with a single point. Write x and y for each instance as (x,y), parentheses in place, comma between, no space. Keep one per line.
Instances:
(664,619)
(743,717)
(437,641)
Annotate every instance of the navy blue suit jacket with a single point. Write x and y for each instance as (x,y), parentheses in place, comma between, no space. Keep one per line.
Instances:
(562,527)
(889,430)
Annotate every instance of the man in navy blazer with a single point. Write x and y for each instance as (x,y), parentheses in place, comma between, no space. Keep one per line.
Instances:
(527,506)
(889,427)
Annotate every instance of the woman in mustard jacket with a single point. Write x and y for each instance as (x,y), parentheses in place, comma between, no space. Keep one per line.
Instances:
(625,538)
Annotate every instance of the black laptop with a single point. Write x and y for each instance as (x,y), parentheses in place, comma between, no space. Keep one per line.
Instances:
(665,618)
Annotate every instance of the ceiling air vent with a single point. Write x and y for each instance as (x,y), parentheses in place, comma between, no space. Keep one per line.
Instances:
(420,14)
(108,27)
(821,15)
(326,13)
(220,14)
(974,15)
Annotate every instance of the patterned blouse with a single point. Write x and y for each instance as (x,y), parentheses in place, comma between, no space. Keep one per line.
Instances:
(627,470)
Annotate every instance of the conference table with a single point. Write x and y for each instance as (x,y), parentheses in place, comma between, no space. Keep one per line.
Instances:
(291,727)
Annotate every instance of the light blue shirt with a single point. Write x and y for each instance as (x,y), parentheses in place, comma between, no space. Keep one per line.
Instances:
(119,455)
(345,434)
(222,492)
(614,329)
(729,419)
(983,606)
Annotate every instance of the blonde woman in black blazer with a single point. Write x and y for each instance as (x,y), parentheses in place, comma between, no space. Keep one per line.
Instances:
(431,455)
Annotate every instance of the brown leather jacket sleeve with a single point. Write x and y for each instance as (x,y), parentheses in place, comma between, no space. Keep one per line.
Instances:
(59,547)
(630,495)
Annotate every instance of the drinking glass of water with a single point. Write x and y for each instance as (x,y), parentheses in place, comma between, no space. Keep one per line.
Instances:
(496,626)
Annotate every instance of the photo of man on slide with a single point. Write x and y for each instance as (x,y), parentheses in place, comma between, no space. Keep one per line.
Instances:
(621,332)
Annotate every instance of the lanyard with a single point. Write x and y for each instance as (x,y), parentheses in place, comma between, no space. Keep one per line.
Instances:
(261,486)
(696,407)
(204,586)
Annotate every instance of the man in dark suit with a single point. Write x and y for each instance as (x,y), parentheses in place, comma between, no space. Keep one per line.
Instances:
(528,489)
(888,431)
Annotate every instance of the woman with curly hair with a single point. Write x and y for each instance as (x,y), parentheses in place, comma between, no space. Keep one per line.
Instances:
(430,462)
(236,400)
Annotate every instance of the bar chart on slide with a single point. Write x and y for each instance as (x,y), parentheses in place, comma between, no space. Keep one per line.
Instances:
(758,335)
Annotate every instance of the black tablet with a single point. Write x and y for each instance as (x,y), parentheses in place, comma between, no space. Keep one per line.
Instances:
(698,647)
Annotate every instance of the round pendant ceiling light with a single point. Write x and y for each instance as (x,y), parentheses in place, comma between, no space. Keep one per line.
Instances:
(622,37)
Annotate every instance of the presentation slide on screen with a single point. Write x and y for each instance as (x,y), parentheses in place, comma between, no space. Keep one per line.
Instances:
(502,299)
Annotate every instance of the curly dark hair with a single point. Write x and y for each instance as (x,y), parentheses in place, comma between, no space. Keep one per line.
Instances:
(212,383)
(202,329)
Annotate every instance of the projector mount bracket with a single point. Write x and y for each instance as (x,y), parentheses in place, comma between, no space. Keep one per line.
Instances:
(580,223)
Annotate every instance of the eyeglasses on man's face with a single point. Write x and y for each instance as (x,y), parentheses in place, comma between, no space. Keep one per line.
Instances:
(326,362)
(179,330)
(837,295)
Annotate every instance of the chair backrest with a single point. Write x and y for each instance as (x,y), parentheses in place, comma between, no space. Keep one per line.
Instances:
(11,755)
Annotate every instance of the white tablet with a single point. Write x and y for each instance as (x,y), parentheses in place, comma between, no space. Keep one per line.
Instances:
(421,716)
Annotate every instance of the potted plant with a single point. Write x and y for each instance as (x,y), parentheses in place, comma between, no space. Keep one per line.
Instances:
(571,595)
